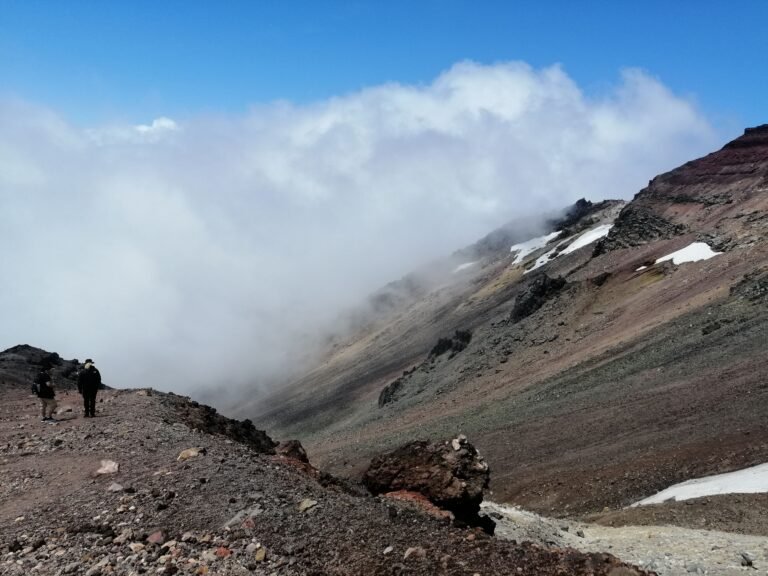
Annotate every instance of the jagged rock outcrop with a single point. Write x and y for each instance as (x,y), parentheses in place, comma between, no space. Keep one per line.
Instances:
(454,344)
(452,475)
(535,295)
(206,419)
(636,226)
(292,449)
(390,392)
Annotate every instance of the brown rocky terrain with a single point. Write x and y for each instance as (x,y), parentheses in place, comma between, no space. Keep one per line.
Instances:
(159,484)
(587,383)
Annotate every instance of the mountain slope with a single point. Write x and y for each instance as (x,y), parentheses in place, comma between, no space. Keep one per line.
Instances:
(228,507)
(626,376)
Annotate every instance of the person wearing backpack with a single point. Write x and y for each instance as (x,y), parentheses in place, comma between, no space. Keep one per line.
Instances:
(88,384)
(44,386)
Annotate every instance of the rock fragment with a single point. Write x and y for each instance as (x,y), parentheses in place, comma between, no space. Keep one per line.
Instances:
(190,453)
(108,467)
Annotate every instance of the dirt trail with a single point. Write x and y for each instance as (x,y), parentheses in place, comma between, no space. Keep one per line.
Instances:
(667,550)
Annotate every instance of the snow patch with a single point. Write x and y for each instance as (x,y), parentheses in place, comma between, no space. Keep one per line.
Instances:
(464,266)
(584,239)
(747,481)
(641,268)
(525,248)
(544,258)
(588,237)
(691,253)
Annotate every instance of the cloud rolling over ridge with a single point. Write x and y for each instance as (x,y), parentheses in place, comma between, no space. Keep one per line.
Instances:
(193,253)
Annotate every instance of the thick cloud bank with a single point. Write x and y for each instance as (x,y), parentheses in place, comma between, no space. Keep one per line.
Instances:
(207,251)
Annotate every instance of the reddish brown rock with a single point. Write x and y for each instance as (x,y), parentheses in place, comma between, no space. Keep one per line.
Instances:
(452,475)
(292,449)
(156,537)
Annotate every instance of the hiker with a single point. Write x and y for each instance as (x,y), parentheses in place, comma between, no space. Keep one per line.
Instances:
(88,384)
(44,387)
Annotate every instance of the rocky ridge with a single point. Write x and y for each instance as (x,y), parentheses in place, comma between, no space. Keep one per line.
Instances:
(159,484)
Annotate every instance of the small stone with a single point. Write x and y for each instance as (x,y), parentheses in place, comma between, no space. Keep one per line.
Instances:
(388,550)
(747,559)
(261,555)
(115,487)
(190,453)
(209,556)
(157,537)
(306,504)
(188,537)
(136,547)
(416,552)
(125,535)
(580,533)
(223,552)
(108,467)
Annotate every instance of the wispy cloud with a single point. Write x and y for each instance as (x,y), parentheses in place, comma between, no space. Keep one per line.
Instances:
(205,251)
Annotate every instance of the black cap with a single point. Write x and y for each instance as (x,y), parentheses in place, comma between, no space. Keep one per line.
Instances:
(88,361)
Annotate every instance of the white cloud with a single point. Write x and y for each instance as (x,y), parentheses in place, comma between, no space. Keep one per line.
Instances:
(208,256)
(159,125)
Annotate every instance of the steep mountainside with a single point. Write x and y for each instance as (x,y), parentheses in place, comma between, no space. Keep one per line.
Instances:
(586,372)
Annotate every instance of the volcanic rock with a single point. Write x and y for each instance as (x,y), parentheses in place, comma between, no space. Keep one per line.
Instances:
(206,419)
(292,449)
(535,295)
(451,479)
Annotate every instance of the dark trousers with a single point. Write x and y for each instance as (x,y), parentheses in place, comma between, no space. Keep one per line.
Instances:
(89,402)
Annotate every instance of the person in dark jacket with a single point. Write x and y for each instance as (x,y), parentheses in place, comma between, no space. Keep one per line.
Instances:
(88,384)
(45,392)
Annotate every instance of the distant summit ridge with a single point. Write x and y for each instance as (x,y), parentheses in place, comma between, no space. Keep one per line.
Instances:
(721,198)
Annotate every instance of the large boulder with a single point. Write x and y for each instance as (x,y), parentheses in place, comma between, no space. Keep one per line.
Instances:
(452,475)
(292,449)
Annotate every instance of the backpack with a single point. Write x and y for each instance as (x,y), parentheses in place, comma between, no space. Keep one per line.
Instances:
(40,380)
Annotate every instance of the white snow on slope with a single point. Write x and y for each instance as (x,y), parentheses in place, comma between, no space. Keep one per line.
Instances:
(588,237)
(525,248)
(748,481)
(585,239)
(691,253)
(543,259)
(464,266)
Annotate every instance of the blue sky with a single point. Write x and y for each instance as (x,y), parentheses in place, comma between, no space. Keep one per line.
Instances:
(223,153)
(101,61)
